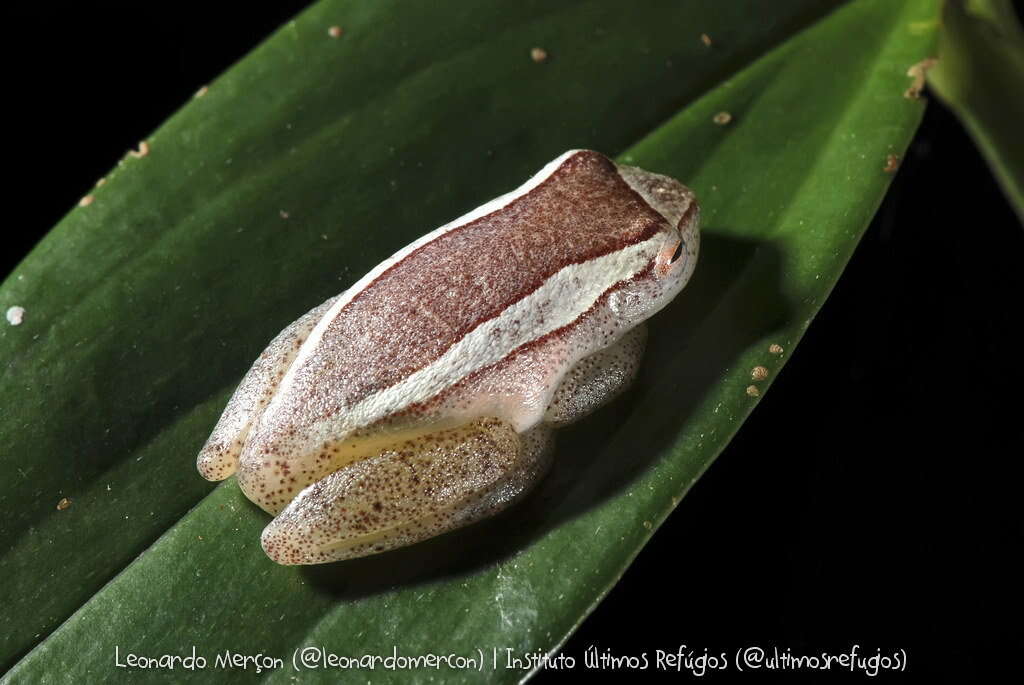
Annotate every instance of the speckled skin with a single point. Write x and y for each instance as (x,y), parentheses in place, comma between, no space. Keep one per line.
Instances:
(421,399)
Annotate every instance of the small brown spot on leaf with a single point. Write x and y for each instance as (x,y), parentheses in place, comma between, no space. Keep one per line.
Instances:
(722,118)
(538,55)
(335,32)
(63,504)
(706,39)
(892,163)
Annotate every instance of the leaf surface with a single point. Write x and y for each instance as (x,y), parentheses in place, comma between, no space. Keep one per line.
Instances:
(305,165)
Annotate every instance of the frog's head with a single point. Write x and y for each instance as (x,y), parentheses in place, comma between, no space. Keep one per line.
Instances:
(674,248)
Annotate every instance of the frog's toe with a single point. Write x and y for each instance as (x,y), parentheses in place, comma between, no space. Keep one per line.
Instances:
(423,487)
(219,457)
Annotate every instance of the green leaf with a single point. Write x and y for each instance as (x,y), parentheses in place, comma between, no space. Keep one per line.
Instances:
(980,75)
(305,165)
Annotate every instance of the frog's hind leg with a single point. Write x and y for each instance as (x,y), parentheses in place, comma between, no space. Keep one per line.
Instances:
(596,379)
(218,458)
(420,488)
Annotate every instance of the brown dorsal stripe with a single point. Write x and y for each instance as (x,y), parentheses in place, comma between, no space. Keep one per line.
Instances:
(420,306)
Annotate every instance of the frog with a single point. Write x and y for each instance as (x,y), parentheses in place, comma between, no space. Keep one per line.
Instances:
(425,397)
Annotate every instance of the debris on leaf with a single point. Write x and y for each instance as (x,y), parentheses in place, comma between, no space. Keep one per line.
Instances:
(63,504)
(918,72)
(892,163)
(538,55)
(722,118)
(706,39)
(334,32)
(202,91)
(86,201)
(141,151)
(15,315)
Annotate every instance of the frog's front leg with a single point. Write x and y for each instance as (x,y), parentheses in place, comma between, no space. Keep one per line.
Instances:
(596,379)
(420,488)
(218,458)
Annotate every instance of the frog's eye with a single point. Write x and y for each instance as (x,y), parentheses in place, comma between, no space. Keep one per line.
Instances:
(677,254)
(668,255)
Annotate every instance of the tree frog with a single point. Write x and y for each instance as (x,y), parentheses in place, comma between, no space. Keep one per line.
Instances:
(424,397)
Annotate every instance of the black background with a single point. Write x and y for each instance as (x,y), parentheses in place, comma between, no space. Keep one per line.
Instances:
(873,497)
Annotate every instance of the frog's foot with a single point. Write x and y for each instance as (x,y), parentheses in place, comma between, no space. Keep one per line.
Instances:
(422,487)
(218,458)
(595,380)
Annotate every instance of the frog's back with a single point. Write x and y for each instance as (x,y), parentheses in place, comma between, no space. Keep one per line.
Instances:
(392,339)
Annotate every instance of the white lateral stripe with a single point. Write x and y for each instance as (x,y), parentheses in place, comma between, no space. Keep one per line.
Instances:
(574,289)
(492,206)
